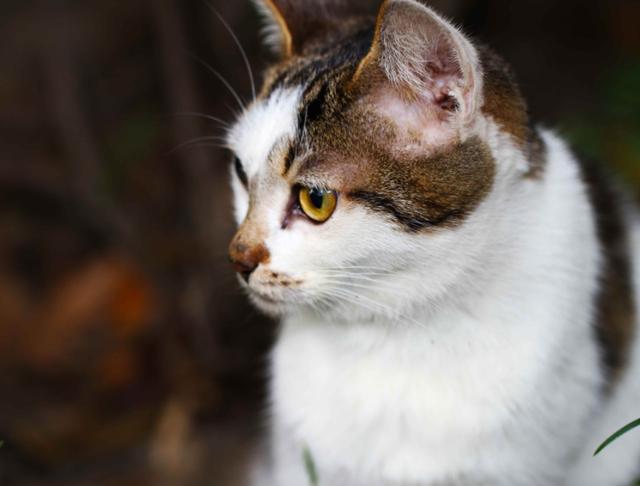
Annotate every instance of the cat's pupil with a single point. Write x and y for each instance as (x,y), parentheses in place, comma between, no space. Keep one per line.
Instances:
(317,197)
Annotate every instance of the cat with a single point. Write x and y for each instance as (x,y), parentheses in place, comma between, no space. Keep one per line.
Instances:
(458,294)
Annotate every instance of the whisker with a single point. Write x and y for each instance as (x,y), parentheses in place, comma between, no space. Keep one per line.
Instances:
(374,278)
(341,294)
(355,286)
(348,278)
(332,294)
(238,44)
(234,111)
(196,140)
(360,285)
(355,299)
(201,146)
(205,145)
(207,117)
(364,267)
(334,273)
(222,79)
(380,269)
(358,296)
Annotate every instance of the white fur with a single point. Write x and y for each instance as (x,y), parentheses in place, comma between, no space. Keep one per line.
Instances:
(255,135)
(458,357)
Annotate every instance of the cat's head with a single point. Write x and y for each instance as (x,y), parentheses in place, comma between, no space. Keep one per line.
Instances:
(373,170)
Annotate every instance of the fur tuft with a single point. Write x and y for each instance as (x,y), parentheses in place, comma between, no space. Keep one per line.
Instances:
(275,34)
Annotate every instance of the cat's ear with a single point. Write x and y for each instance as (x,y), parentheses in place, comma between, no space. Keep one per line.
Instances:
(422,58)
(292,24)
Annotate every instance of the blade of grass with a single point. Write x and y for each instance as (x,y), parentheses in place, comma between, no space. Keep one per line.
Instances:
(617,435)
(310,466)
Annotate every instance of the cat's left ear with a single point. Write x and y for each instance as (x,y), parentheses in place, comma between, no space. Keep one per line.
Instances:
(291,25)
(423,59)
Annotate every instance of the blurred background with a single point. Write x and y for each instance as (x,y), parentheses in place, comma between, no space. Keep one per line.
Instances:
(128,356)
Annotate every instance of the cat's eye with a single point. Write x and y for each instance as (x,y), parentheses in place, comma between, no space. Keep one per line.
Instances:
(317,204)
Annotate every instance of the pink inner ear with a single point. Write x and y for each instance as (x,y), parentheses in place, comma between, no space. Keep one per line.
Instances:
(425,121)
(443,90)
(431,71)
(445,74)
(423,124)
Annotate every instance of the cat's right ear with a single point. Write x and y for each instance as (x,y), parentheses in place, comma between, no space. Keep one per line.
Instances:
(293,24)
(419,62)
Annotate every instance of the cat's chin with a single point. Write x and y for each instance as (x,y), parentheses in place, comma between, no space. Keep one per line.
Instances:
(270,306)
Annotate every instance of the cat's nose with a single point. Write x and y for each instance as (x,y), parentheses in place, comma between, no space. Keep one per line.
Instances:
(246,257)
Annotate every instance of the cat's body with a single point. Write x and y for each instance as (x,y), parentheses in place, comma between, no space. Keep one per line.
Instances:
(466,313)
(503,388)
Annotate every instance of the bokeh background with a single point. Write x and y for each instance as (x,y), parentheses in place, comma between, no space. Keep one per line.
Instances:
(128,356)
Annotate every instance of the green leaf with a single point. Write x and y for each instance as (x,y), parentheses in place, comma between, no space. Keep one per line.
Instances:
(310,466)
(617,435)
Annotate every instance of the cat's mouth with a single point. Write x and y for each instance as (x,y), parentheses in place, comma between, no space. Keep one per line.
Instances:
(272,295)
(278,293)
(266,299)
(274,305)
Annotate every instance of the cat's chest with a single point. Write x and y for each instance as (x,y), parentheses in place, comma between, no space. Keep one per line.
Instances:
(394,404)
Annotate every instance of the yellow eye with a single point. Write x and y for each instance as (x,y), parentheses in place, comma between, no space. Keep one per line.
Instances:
(317,204)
